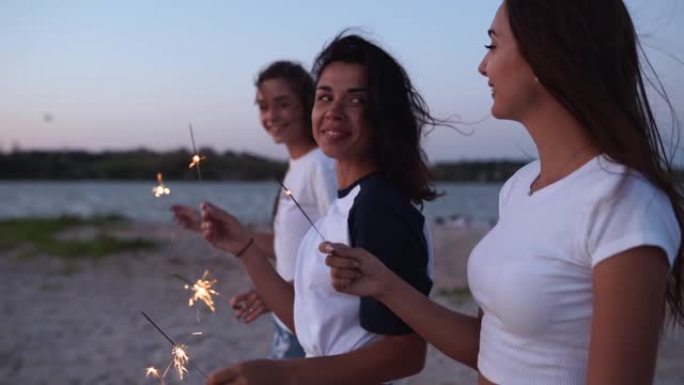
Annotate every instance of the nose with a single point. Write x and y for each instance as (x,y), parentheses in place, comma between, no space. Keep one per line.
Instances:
(483,65)
(336,111)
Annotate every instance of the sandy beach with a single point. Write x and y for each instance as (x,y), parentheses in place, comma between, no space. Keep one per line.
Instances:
(79,322)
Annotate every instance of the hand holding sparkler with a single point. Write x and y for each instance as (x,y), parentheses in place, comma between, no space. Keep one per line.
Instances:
(357,272)
(187,217)
(248,306)
(223,230)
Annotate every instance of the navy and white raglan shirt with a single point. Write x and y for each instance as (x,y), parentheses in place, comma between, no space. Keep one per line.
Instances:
(374,215)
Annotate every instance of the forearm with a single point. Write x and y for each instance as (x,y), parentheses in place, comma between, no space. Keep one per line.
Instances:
(277,293)
(454,334)
(388,359)
(265,242)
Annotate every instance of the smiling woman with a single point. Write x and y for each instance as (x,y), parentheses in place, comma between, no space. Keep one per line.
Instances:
(367,117)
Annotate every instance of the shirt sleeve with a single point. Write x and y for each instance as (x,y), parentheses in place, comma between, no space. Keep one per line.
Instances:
(634,216)
(395,236)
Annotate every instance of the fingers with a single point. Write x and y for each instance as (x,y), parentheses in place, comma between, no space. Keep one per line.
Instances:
(248,306)
(330,247)
(341,284)
(254,312)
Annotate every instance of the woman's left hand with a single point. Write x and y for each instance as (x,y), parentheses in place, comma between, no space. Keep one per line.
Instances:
(257,372)
(355,271)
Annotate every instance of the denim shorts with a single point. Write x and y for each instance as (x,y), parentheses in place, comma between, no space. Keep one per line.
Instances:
(285,344)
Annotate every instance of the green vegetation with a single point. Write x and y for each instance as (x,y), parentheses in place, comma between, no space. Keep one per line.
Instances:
(143,164)
(42,236)
(136,165)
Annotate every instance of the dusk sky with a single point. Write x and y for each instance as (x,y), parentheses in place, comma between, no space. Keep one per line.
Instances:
(119,74)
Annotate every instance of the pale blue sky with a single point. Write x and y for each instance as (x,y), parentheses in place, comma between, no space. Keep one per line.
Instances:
(123,74)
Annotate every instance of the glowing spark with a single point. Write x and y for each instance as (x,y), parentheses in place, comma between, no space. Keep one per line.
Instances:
(151,371)
(180,359)
(288,192)
(195,161)
(203,291)
(160,189)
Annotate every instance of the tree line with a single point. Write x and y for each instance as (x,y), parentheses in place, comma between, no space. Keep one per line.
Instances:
(143,164)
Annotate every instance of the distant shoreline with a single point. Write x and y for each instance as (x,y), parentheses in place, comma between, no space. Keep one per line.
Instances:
(142,164)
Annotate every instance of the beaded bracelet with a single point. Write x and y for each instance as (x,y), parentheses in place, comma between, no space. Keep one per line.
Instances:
(239,253)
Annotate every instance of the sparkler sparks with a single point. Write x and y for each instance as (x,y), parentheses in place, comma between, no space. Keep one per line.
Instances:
(203,291)
(160,189)
(180,358)
(288,192)
(151,371)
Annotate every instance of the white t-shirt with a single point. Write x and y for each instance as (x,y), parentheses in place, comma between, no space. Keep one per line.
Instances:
(311,179)
(532,273)
(373,215)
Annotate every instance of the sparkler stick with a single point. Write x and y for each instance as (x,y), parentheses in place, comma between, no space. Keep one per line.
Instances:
(196,157)
(177,348)
(288,192)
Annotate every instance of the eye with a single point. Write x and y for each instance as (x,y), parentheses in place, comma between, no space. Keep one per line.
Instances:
(357,100)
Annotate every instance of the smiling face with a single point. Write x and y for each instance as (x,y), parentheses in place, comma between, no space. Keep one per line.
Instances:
(340,126)
(514,87)
(280,111)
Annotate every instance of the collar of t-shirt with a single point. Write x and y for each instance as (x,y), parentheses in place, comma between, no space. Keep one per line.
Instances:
(343,192)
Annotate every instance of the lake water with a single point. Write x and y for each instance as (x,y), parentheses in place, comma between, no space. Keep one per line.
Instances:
(250,201)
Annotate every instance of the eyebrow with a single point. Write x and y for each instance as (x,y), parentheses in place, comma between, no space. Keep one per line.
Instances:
(281,98)
(350,90)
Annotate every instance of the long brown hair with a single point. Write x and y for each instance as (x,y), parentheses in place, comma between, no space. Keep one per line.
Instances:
(586,53)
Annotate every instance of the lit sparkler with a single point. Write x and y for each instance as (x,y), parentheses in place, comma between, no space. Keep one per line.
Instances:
(160,189)
(202,290)
(180,358)
(288,192)
(196,157)
(151,371)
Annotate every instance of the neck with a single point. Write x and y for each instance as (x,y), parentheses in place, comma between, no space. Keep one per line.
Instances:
(350,172)
(562,142)
(297,149)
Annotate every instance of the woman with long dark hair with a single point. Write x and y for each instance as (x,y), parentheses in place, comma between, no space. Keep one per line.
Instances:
(368,117)
(574,280)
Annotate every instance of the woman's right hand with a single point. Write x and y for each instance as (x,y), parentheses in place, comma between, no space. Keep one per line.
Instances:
(187,217)
(355,271)
(223,230)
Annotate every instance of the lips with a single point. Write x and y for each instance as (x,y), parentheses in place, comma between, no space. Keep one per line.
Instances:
(334,133)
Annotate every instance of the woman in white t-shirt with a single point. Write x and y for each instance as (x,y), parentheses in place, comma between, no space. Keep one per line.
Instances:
(369,118)
(284,97)
(574,280)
